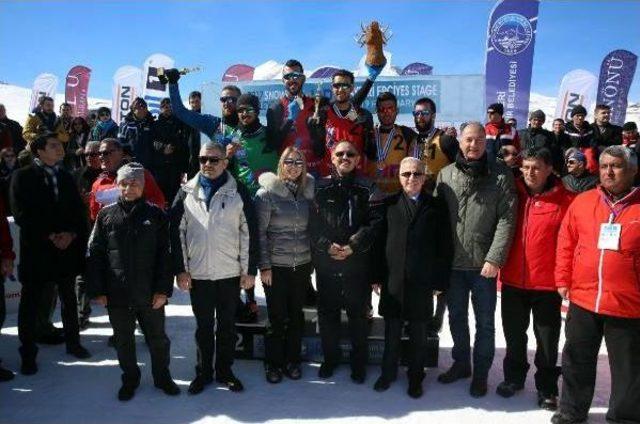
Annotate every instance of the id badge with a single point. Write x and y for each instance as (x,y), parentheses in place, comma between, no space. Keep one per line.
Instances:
(609,238)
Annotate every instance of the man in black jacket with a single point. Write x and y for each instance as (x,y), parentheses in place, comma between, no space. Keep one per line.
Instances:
(538,137)
(342,225)
(48,209)
(129,272)
(604,132)
(415,266)
(12,130)
(138,132)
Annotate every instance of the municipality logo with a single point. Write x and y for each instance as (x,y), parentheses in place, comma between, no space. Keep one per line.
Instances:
(511,34)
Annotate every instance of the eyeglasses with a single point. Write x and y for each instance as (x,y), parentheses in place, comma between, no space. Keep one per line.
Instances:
(341,85)
(105,153)
(246,110)
(418,113)
(296,162)
(345,154)
(293,76)
(92,154)
(409,174)
(214,160)
(228,99)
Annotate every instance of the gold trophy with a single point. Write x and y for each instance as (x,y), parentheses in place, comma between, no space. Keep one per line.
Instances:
(182,71)
(317,99)
(374,38)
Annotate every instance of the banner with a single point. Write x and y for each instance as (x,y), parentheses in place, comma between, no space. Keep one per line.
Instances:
(44,85)
(126,87)
(616,74)
(511,36)
(76,90)
(578,87)
(237,73)
(458,98)
(153,91)
(417,68)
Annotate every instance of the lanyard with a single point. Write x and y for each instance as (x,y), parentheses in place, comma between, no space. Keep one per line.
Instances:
(383,151)
(427,140)
(352,115)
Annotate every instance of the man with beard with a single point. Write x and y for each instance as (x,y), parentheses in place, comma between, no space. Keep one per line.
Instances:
(138,132)
(192,136)
(604,132)
(538,137)
(42,121)
(432,146)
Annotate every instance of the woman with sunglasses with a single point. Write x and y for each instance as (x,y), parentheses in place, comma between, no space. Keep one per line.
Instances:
(282,205)
(78,137)
(105,126)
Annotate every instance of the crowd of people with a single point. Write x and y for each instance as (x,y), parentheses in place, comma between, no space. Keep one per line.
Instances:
(425,217)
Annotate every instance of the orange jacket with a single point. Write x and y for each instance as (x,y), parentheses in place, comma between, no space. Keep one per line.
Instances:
(602,281)
(531,261)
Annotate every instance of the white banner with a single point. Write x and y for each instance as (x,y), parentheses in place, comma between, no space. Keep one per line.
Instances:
(152,89)
(126,87)
(578,87)
(44,85)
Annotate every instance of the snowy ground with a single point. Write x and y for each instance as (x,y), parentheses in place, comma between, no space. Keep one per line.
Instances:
(68,391)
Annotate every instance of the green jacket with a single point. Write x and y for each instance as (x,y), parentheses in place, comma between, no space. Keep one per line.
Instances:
(253,158)
(483,212)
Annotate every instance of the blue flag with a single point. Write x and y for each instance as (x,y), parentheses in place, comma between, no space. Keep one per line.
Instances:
(616,74)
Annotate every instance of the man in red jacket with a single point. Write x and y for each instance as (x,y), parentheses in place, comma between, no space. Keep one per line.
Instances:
(598,269)
(499,133)
(528,284)
(6,269)
(105,191)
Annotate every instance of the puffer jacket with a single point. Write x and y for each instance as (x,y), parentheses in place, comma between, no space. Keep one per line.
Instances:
(500,134)
(483,214)
(531,261)
(602,281)
(215,243)
(129,259)
(139,135)
(283,222)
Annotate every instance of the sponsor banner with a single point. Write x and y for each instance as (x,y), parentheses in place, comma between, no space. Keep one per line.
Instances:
(77,88)
(458,98)
(511,38)
(417,68)
(616,74)
(126,87)
(577,88)
(43,85)
(153,91)
(237,73)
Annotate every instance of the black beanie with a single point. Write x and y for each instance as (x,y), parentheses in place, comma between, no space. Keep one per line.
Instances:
(248,99)
(496,108)
(630,126)
(578,110)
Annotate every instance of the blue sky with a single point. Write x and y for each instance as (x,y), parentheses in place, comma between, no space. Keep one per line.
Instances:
(38,36)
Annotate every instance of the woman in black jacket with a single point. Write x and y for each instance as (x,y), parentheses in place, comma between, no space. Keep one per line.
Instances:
(129,272)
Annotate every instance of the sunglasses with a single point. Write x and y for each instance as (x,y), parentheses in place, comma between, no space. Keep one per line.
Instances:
(228,99)
(341,85)
(409,174)
(572,162)
(345,154)
(209,159)
(293,76)
(296,162)
(92,155)
(246,110)
(105,153)
(418,113)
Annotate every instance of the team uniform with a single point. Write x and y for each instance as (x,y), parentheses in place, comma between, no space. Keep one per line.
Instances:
(392,146)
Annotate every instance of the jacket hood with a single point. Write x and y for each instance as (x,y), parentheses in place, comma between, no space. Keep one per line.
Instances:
(270,182)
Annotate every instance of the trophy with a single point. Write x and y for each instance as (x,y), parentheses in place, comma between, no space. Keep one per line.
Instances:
(374,38)
(317,99)
(183,71)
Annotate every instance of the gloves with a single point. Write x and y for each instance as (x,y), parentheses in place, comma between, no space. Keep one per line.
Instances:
(294,109)
(170,76)
(374,71)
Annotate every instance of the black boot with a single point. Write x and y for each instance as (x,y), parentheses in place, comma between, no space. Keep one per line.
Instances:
(231,381)
(478,387)
(560,418)
(455,373)
(507,389)
(293,371)
(78,351)
(382,384)
(5,374)
(547,401)
(273,374)
(198,384)
(168,386)
(326,370)
(126,392)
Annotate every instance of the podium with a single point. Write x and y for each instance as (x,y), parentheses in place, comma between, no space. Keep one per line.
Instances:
(250,340)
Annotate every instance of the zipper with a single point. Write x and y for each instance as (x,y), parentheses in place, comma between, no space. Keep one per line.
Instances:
(600,268)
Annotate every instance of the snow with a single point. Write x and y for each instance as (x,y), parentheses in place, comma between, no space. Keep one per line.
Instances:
(69,391)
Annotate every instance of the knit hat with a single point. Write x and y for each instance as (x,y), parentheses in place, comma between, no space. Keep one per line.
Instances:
(575,153)
(131,171)
(578,110)
(496,107)
(538,114)
(248,100)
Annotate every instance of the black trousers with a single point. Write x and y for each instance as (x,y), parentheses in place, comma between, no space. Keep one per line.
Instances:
(214,306)
(123,321)
(47,302)
(84,303)
(584,332)
(517,306)
(392,346)
(285,299)
(337,291)
(3,306)
(28,312)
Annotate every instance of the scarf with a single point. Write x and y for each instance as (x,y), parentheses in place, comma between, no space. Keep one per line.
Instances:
(51,178)
(210,186)
(103,127)
(473,168)
(292,186)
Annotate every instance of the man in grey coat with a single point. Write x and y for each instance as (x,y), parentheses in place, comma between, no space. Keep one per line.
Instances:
(481,197)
